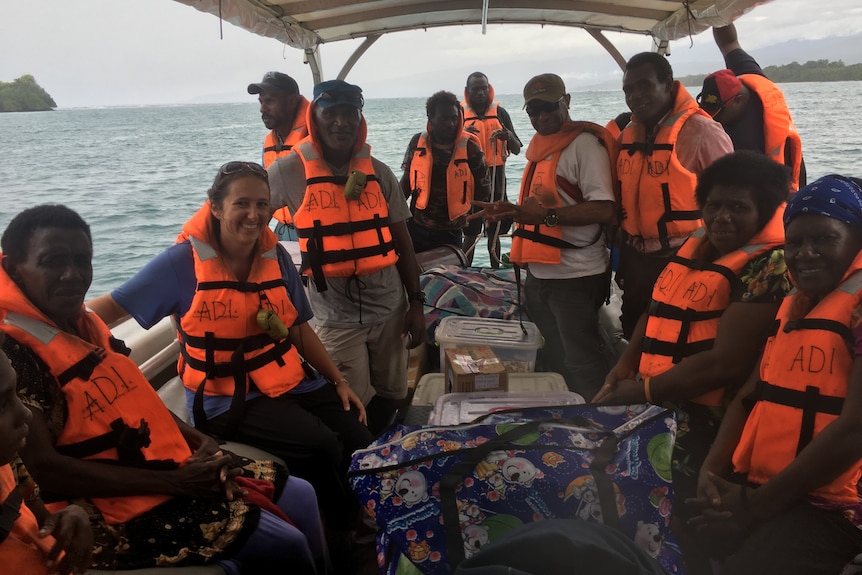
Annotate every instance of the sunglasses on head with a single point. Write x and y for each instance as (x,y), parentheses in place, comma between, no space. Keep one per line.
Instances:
(231,168)
(536,108)
(713,111)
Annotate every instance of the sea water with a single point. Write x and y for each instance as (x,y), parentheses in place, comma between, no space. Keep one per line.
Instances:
(136,174)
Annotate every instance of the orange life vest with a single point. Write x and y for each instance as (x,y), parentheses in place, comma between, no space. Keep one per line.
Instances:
(340,237)
(537,242)
(691,295)
(274,147)
(223,349)
(22,551)
(804,375)
(495,151)
(657,190)
(459,178)
(106,394)
(779,131)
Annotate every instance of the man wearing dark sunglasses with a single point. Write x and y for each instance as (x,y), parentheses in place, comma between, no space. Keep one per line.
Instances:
(567,194)
(350,215)
(283,110)
(751,108)
(668,142)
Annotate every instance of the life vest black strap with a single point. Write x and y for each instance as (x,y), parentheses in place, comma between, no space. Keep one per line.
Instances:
(249,343)
(667,311)
(670,215)
(244,287)
(83,369)
(534,235)
(337,180)
(823,325)
(343,228)
(277,148)
(10,511)
(127,440)
(229,369)
(676,350)
(699,265)
(810,401)
(338,256)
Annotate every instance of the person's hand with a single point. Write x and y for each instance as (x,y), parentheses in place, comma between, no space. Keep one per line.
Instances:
(623,391)
(414,325)
(501,134)
(348,397)
(207,477)
(208,447)
(618,373)
(492,211)
(70,528)
(723,505)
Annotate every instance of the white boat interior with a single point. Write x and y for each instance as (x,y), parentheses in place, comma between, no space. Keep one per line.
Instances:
(308,24)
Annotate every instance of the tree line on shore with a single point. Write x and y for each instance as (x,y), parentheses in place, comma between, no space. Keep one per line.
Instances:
(810,71)
(24,95)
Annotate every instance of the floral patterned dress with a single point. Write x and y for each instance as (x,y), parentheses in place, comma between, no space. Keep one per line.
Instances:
(182,531)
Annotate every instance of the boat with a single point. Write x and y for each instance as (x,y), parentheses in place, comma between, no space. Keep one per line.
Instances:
(309,24)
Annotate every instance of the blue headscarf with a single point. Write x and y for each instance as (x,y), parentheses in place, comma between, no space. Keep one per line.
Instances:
(833,196)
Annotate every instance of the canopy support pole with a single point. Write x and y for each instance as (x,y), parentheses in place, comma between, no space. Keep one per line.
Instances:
(312,58)
(360,50)
(608,46)
(485,5)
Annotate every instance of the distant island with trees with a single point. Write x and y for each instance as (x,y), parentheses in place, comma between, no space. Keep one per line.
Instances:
(24,95)
(811,71)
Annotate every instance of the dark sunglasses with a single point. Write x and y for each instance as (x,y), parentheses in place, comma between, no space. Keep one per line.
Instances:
(232,168)
(710,108)
(537,108)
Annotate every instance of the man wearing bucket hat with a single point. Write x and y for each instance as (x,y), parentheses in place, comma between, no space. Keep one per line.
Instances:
(567,194)
(283,110)
(350,215)
(751,108)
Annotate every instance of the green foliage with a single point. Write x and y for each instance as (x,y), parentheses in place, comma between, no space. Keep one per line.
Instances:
(24,95)
(811,71)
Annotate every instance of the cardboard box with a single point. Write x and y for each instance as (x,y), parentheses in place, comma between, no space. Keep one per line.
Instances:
(474,369)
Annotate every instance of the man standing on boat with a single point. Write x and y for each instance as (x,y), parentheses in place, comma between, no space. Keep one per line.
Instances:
(668,142)
(350,215)
(751,108)
(567,194)
(444,171)
(490,123)
(283,110)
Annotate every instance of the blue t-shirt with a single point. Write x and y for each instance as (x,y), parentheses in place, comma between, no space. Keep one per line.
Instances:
(166,286)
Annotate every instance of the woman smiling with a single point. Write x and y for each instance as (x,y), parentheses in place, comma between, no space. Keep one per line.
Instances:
(791,441)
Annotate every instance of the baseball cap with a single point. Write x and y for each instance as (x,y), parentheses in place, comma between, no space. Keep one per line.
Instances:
(719,88)
(544,87)
(274,82)
(336,92)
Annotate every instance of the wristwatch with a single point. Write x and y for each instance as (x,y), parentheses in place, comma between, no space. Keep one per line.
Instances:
(417,296)
(552,219)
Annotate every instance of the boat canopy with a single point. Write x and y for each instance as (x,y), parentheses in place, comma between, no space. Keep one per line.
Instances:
(307,24)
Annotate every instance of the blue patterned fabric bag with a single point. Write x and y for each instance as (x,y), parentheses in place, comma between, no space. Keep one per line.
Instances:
(439,494)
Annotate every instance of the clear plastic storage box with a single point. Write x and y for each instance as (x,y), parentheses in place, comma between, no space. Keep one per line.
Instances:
(515,349)
(457,408)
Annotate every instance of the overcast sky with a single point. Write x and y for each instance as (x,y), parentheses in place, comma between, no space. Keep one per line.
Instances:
(136,52)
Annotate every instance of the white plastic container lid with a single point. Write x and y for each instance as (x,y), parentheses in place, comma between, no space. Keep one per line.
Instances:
(457,408)
(486,331)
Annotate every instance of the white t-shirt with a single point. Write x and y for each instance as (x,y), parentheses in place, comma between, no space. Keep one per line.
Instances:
(586,164)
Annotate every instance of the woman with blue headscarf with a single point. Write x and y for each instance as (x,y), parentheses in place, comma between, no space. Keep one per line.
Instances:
(779,488)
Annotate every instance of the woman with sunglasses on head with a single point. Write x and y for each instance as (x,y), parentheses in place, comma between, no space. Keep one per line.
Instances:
(157,491)
(253,368)
(779,490)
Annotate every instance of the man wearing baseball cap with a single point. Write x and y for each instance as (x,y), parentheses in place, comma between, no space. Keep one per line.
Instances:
(751,108)
(350,215)
(567,194)
(283,110)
